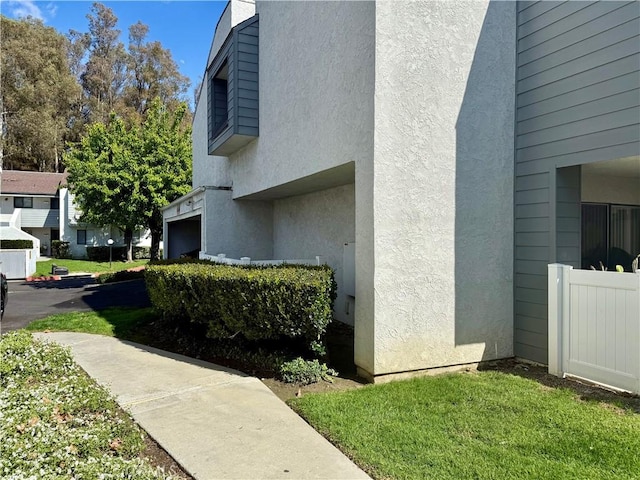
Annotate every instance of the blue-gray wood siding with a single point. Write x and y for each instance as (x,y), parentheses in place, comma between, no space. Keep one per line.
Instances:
(39,218)
(240,51)
(578,101)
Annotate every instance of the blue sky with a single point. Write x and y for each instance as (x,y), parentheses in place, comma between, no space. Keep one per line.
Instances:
(184,27)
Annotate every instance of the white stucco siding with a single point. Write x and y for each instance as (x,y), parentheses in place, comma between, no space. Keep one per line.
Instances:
(319,223)
(237,228)
(315,92)
(443,169)
(208,170)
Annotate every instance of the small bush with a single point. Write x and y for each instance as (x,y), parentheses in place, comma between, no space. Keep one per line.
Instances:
(15,244)
(101,253)
(305,372)
(121,276)
(60,249)
(140,253)
(258,303)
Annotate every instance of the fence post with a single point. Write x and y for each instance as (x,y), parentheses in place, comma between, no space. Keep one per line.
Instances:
(637,392)
(555,314)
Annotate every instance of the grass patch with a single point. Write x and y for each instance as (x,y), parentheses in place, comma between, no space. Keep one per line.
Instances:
(43,268)
(113,322)
(55,422)
(487,425)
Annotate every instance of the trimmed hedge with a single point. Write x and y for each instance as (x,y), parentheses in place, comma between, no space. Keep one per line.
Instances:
(259,303)
(60,249)
(15,244)
(101,253)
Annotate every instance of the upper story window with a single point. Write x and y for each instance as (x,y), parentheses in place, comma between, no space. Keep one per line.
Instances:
(219,100)
(55,203)
(232,91)
(22,202)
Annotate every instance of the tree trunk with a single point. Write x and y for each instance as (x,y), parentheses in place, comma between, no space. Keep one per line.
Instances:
(156,234)
(128,241)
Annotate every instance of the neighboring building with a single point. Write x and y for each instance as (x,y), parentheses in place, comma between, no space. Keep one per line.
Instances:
(450,145)
(40,205)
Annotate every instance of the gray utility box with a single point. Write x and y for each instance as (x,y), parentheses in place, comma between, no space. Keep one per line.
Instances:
(56,270)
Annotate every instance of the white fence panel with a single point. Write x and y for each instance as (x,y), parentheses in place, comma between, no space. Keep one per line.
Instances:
(18,263)
(222,258)
(594,326)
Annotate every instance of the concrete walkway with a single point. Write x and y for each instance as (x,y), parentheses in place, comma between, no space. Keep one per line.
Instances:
(217,423)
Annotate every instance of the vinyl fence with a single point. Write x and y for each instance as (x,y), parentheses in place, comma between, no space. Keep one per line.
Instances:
(222,258)
(594,326)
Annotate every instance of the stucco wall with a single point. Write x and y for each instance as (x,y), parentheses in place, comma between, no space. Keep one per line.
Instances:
(237,228)
(319,223)
(316,70)
(442,184)
(208,170)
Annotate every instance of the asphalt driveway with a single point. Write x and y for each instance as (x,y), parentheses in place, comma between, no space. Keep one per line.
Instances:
(30,301)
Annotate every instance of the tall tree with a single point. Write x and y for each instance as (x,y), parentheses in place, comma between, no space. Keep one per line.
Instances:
(152,73)
(104,75)
(37,97)
(123,175)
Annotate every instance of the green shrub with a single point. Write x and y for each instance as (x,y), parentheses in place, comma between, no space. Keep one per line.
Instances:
(15,244)
(259,303)
(140,253)
(60,249)
(120,276)
(101,253)
(305,372)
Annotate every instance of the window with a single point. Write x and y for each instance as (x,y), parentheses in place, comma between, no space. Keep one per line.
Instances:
(22,202)
(232,91)
(610,234)
(219,103)
(55,203)
(81,237)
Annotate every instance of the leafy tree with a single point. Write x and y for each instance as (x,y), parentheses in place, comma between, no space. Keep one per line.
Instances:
(104,75)
(37,97)
(123,176)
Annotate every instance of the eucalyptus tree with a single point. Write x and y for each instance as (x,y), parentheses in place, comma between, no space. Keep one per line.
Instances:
(38,95)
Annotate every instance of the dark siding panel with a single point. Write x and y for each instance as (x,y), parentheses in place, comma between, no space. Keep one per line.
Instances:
(596,108)
(533,239)
(529,352)
(598,75)
(617,17)
(532,324)
(531,281)
(538,32)
(535,9)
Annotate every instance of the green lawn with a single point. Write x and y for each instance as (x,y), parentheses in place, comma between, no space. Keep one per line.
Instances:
(112,322)
(488,425)
(85,266)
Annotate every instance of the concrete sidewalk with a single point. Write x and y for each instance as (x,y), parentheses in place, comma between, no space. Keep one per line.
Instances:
(217,423)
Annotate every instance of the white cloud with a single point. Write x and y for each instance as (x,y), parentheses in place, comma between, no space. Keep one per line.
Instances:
(52,9)
(24,8)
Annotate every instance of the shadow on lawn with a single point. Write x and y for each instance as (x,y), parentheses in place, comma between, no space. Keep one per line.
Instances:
(583,391)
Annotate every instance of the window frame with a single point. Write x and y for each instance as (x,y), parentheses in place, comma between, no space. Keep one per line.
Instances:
(22,200)
(78,234)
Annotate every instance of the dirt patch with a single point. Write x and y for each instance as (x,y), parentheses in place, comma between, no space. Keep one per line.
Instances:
(158,457)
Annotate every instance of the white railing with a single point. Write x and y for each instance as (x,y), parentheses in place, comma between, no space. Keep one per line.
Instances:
(594,326)
(222,258)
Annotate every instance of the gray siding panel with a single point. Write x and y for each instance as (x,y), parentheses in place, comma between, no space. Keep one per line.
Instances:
(596,76)
(578,101)
(602,106)
(610,20)
(538,32)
